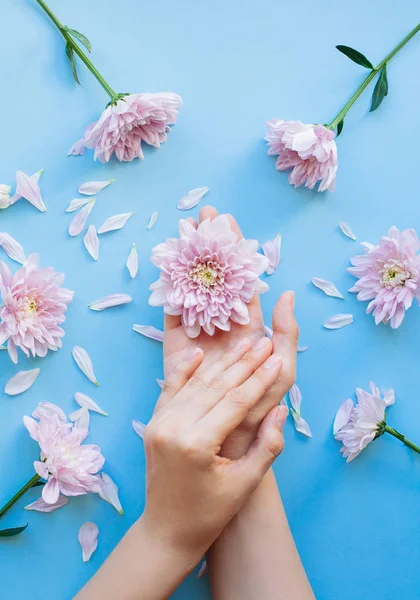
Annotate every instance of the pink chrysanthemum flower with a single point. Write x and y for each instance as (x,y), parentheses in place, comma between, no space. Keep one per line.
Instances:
(389,276)
(208,276)
(357,426)
(34,306)
(309,150)
(69,467)
(123,126)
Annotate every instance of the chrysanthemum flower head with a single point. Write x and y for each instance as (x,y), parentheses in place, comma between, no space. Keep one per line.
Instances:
(207,276)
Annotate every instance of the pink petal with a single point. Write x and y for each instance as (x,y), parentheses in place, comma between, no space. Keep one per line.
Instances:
(91,242)
(203,570)
(81,418)
(301,425)
(161,383)
(88,539)
(83,400)
(192,198)
(132,263)
(79,221)
(77,149)
(84,363)
(302,348)
(109,493)
(347,231)
(149,331)
(115,222)
(21,382)
(41,506)
(338,321)
(343,415)
(272,251)
(28,188)
(13,249)
(110,301)
(138,427)
(152,220)
(76,204)
(295,397)
(94,187)
(327,287)
(51,491)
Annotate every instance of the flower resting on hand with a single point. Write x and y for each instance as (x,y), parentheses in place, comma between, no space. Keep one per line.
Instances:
(208,276)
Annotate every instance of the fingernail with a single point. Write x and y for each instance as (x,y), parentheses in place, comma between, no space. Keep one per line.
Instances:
(273,362)
(282,412)
(261,343)
(194,352)
(291,299)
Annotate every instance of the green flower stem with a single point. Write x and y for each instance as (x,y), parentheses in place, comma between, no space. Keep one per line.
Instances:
(340,116)
(402,438)
(19,494)
(111,92)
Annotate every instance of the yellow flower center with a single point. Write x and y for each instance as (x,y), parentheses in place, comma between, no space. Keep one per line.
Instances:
(31,304)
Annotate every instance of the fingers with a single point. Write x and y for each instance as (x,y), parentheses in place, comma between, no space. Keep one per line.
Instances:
(231,411)
(186,362)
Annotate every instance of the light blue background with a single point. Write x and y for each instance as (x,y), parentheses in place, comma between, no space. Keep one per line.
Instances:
(236,65)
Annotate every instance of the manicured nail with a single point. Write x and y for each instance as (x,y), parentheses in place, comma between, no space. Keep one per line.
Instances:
(262,342)
(282,412)
(273,362)
(194,352)
(291,299)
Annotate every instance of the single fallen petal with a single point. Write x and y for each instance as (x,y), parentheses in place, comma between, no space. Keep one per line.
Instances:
(343,415)
(5,200)
(327,287)
(192,198)
(152,220)
(85,401)
(28,188)
(132,263)
(347,231)
(91,242)
(76,204)
(268,332)
(84,363)
(138,427)
(79,221)
(295,398)
(202,570)
(160,382)
(302,348)
(80,418)
(109,493)
(21,382)
(114,222)
(110,301)
(338,321)
(272,250)
(301,425)
(41,506)
(283,402)
(13,249)
(91,188)
(88,539)
(78,148)
(149,331)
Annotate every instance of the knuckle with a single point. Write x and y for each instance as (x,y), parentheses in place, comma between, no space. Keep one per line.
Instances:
(189,447)
(157,436)
(237,398)
(275,447)
(289,376)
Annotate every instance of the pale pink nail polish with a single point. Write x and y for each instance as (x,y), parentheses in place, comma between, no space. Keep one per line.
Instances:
(273,362)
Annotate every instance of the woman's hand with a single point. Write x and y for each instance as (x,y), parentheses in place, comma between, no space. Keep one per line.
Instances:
(192,491)
(284,340)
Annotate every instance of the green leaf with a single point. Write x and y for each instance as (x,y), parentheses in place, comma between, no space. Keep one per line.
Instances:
(380,91)
(340,127)
(70,56)
(12,531)
(355,56)
(79,36)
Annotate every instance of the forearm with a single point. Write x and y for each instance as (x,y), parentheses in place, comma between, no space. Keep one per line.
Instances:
(140,568)
(256,557)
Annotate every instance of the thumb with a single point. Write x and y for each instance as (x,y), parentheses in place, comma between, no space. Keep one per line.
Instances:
(267,446)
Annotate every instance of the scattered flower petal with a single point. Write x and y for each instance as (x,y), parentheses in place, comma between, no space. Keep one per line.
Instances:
(109,493)
(338,321)
(302,348)
(347,231)
(77,149)
(272,250)
(343,415)
(192,198)
(203,570)
(28,188)
(13,249)
(110,301)
(41,506)
(94,187)
(80,418)
(85,401)
(160,382)
(268,332)
(295,398)
(114,222)
(327,287)
(150,332)
(138,427)
(5,200)
(21,382)
(91,242)
(301,425)
(88,539)
(79,221)
(84,363)
(132,263)
(76,204)
(152,220)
